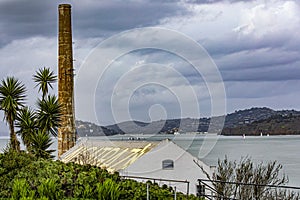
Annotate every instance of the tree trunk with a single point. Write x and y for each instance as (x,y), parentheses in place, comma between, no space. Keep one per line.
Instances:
(14,143)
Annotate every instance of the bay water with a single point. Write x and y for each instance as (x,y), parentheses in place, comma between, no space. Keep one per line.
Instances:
(283,149)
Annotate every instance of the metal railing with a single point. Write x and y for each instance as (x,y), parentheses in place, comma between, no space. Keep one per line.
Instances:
(207,190)
(162,180)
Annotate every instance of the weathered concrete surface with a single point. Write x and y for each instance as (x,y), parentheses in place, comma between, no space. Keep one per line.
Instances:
(66,131)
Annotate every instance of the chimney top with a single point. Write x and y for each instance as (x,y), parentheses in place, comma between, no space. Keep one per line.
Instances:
(64,5)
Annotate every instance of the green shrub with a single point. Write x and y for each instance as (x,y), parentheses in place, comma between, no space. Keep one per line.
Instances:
(49,189)
(11,162)
(25,177)
(21,190)
(108,190)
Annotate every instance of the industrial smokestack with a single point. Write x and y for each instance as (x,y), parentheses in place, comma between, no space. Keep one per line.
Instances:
(66,131)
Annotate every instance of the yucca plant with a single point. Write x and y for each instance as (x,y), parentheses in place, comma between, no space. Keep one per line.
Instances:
(40,143)
(48,114)
(12,96)
(27,124)
(44,78)
(35,126)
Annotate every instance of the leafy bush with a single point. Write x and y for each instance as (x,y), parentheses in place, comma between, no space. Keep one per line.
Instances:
(10,164)
(247,173)
(49,189)
(21,190)
(108,190)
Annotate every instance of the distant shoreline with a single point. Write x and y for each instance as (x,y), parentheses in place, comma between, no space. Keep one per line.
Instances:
(264,135)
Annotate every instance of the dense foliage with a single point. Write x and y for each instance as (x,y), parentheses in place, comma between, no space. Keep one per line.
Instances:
(23,176)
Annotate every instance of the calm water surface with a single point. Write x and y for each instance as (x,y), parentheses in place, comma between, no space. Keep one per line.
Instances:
(284,149)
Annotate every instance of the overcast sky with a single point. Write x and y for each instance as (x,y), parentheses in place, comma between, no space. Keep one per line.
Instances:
(255,45)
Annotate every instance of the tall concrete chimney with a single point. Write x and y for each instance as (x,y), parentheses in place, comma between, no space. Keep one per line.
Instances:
(66,131)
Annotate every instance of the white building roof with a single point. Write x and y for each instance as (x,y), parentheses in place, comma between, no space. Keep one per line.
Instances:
(111,155)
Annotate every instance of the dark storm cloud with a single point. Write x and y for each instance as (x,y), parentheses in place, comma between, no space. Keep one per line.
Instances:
(123,15)
(279,73)
(233,43)
(261,89)
(268,59)
(22,19)
(256,59)
(212,1)
(273,57)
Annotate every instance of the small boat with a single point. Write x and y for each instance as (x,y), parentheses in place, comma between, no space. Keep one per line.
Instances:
(244,136)
(176,133)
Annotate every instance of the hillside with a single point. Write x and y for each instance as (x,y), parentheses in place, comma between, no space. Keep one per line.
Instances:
(275,125)
(249,116)
(162,126)
(91,129)
(233,122)
(236,119)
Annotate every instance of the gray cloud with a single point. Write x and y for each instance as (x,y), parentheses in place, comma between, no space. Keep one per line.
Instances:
(263,90)
(278,74)
(259,58)
(123,15)
(255,44)
(22,19)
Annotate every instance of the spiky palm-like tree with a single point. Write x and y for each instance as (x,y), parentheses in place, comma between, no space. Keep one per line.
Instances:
(48,114)
(27,124)
(40,142)
(12,96)
(44,78)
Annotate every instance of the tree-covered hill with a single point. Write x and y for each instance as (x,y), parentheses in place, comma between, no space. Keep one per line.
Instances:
(91,129)
(275,125)
(233,121)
